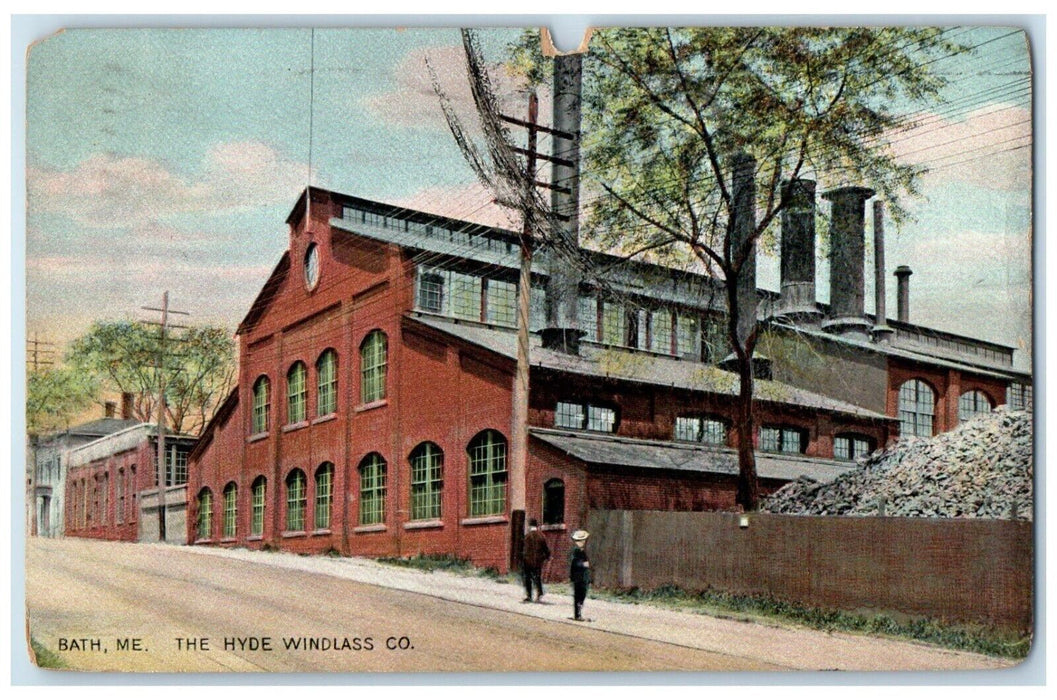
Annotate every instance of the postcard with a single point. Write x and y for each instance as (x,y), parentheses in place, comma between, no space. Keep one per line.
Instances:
(700,348)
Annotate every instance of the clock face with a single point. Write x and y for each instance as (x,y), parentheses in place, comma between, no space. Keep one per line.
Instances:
(312,267)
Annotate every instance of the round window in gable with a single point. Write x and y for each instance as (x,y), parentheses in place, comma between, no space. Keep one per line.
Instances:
(312,267)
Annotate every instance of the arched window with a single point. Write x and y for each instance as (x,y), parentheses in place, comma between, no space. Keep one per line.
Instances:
(296,393)
(261,399)
(372,489)
(851,447)
(324,495)
(973,403)
(373,360)
(295,501)
(119,488)
(554,502)
(231,496)
(917,404)
(205,514)
(427,481)
(257,506)
(704,429)
(104,513)
(779,438)
(327,383)
(488,474)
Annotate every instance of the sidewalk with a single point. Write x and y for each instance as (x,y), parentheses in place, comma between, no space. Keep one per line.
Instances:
(795,649)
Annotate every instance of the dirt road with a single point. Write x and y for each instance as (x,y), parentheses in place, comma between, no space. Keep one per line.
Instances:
(117,606)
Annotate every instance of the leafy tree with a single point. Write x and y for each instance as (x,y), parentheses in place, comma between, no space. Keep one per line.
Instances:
(671,114)
(197,364)
(54,396)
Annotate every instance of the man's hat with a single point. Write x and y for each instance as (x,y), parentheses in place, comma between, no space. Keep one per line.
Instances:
(580,535)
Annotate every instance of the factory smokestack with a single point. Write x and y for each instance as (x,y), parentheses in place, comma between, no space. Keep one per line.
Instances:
(562,331)
(847,258)
(880,330)
(903,274)
(798,251)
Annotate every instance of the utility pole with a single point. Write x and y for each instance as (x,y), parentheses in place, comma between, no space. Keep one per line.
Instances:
(519,412)
(37,349)
(161,473)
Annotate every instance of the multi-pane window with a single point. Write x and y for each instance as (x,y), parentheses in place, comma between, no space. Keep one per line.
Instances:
(700,429)
(372,489)
(687,336)
(119,513)
(579,416)
(488,475)
(661,331)
(588,317)
(205,514)
(327,383)
(715,342)
(257,506)
(373,362)
(431,292)
(296,393)
(324,495)
(295,501)
(916,408)
(537,309)
(427,481)
(851,447)
(231,497)
(501,303)
(260,405)
(554,502)
(105,512)
(176,467)
(973,403)
(612,323)
(779,439)
(466,296)
(1019,397)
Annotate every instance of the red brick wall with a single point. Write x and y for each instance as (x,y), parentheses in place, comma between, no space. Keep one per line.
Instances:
(948,386)
(88,481)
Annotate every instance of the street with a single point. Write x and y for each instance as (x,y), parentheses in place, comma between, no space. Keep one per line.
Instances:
(135,607)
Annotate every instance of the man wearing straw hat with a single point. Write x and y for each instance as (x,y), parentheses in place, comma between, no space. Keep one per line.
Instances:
(579,571)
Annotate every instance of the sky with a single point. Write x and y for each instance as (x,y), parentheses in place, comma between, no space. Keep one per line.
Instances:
(168,159)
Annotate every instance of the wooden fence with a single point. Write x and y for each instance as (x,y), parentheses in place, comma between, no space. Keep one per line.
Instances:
(959,570)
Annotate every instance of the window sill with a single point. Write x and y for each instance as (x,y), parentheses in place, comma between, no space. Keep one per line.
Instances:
(257,437)
(294,533)
(325,419)
(484,520)
(289,428)
(423,524)
(372,405)
(322,531)
(228,540)
(555,527)
(369,528)
(255,538)
(205,541)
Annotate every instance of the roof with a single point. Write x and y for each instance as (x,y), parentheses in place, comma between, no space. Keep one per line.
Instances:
(103,426)
(267,293)
(607,450)
(220,416)
(638,366)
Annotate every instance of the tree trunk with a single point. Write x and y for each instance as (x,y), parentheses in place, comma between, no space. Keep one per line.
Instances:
(748,491)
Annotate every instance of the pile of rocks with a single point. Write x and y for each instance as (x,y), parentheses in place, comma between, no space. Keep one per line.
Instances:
(981,469)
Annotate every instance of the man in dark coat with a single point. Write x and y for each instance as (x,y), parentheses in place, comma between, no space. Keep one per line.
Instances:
(579,572)
(535,555)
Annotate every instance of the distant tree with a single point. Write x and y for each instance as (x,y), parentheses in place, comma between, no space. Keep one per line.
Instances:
(55,396)
(671,114)
(198,365)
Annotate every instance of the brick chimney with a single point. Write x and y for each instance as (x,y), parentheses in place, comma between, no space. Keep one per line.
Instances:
(847,259)
(797,301)
(562,331)
(903,274)
(881,331)
(127,405)
(109,409)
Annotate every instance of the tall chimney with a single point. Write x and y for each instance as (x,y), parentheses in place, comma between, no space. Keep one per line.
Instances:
(847,258)
(109,409)
(744,226)
(127,405)
(903,274)
(798,251)
(562,331)
(881,332)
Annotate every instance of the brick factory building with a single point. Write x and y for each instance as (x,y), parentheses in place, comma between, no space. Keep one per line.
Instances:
(373,409)
(111,486)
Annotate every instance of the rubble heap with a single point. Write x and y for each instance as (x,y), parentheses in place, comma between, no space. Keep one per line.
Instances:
(981,469)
